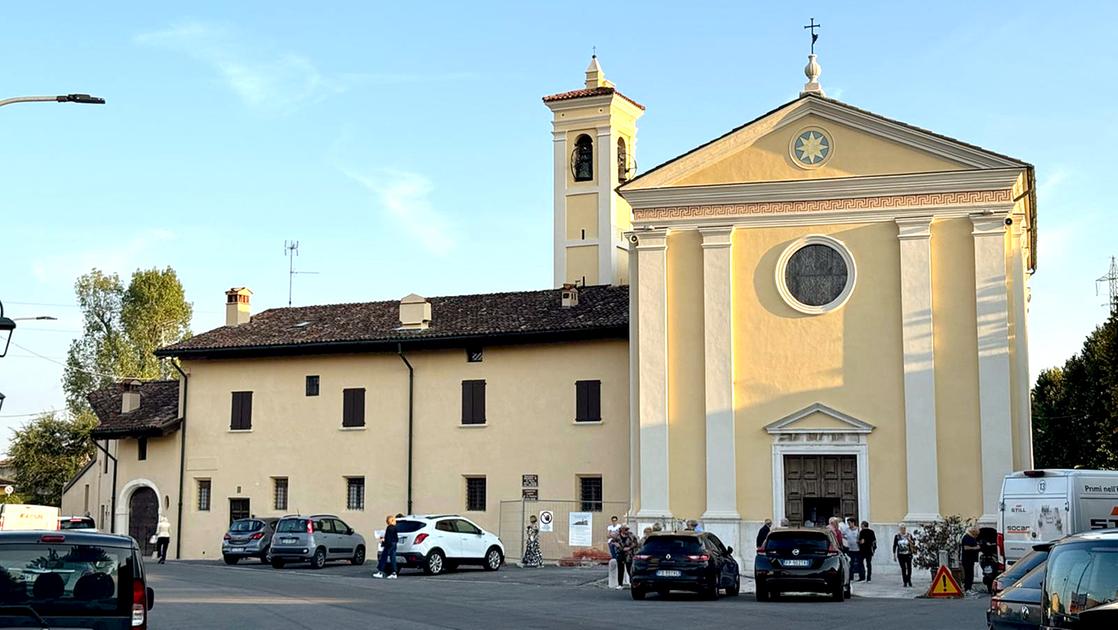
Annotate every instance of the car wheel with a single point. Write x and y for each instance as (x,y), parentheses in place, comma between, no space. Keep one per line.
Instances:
(230,559)
(435,563)
(266,557)
(837,593)
(762,593)
(774,595)
(318,560)
(662,592)
(711,591)
(277,563)
(846,592)
(358,556)
(736,588)
(637,593)
(493,559)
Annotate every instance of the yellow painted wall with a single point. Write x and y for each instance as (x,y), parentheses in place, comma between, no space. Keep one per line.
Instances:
(958,440)
(301,437)
(850,359)
(582,262)
(686,400)
(855,153)
(582,214)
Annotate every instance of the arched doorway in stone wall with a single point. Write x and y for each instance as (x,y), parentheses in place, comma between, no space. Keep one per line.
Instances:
(143,515)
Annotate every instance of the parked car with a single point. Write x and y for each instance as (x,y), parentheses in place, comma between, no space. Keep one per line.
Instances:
(1039,506)
(77,523)
(315,539)
(684,561)
(91,580)
(439,543)
(248,538)
(1018,606)
(1082,574)
(801,560)
(1030,561)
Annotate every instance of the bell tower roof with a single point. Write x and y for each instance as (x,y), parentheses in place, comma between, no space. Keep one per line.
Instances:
(596,85)
(595,76)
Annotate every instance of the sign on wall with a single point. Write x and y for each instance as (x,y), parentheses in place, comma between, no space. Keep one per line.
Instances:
(547,518)
(529,494)
(581,529)
(530,481)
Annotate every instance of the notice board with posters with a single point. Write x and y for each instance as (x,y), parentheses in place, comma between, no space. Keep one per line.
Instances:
(581,529)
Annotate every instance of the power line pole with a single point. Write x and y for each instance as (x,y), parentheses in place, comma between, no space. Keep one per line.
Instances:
(291,250)
(1110,279)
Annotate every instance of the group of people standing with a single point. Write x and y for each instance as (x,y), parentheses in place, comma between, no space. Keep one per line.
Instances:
(858,543)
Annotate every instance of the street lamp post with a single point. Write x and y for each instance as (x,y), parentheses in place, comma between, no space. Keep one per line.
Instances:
(62,98)
(7,325)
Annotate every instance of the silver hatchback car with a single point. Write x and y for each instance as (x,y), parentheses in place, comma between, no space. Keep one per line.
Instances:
(315,539)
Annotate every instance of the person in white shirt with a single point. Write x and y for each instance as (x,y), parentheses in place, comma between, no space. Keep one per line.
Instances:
(612,531)
(850,535)
(162,538)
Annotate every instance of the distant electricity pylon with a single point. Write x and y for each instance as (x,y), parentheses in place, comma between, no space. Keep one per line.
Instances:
(291,250)
(1111,280)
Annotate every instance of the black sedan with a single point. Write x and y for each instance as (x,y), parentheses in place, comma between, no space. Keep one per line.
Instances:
(801,560)
(684,561)
(1018,607)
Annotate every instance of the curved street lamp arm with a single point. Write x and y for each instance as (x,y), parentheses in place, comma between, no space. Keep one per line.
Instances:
(63,98)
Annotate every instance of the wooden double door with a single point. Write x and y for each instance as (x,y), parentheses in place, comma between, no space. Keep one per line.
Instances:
(817,487)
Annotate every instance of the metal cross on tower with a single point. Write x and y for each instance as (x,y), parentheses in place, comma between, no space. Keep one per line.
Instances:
(814,36)
(1110,279)
(291,250)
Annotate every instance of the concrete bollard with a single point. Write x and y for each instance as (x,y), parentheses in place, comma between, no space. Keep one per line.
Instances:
(613,572)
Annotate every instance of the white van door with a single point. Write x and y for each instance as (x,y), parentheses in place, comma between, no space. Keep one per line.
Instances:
(1034,511)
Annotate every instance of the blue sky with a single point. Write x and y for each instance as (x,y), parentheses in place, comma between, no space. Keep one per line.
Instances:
(407,149)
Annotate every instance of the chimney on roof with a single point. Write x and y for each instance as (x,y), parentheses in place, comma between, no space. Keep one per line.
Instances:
(415,312)
(569,295)
(237,310)
(130,399)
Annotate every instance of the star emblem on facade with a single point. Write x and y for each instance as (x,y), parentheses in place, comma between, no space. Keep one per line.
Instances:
(812,147)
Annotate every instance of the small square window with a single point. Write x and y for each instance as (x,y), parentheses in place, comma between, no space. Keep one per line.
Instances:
(475,494)
(474,355)
(203,495)
(355,493)
(312,385)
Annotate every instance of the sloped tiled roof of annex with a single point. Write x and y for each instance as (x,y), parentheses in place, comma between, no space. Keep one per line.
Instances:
(157,414)
(584,92)
(603,311)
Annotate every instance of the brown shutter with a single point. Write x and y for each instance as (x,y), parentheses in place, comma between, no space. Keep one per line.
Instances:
(353,407)
(581,401)
(594,400)
(246,411)
(479,402)
(235,412)
(467,402)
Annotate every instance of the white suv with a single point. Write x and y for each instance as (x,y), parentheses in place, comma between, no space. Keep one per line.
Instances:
(440,543)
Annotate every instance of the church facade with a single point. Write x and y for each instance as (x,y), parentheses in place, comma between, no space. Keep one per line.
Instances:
(828,316)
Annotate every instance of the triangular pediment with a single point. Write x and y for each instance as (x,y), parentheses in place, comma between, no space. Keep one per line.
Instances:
(818,418)
(862,144)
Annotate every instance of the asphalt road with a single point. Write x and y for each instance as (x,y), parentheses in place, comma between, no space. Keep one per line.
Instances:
(211,595)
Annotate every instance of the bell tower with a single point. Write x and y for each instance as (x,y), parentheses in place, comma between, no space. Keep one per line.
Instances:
(594,133)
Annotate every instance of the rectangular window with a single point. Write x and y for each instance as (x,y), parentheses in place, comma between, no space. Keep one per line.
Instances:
(85,510)
(474,354)
(353,407)
(142,449)
(588,401)
(473,402)
(355,493)
(312,385)
(590,493)
(475,494)
(279,492)
(241,417)
(203,495)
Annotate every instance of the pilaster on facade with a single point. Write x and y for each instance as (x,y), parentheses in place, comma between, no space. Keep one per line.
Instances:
(917,336)
(652,316)
(718,365)
(559,214)
(1023,457)
(607,231)
(992,308)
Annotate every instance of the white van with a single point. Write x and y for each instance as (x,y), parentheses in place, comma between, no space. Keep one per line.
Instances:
(21,516)
(1039,506)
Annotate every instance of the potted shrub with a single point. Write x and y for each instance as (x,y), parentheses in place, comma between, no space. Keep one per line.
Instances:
(932,538)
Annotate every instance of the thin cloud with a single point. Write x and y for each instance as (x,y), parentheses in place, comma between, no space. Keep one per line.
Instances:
(123,258)
(406,198)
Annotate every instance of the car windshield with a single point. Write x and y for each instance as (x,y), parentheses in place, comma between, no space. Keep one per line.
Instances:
(678,545)
(292,525)
(1026,564)
(66,579)
(245,526)
(76,522)
(407,527)
(1081,575)
(804,541)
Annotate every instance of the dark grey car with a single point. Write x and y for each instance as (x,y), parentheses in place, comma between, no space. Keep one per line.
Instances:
(249,538)
(1018,607)
(316,539)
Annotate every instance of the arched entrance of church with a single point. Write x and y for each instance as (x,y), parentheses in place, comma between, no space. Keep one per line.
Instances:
(143,515)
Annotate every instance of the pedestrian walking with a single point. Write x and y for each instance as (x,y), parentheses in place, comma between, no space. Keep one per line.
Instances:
(533,557)
(611,536)
(626,547)
(970,556)
(903,547)
(388,551)
(764,532)
(162,538)
(853,550)
(867,545)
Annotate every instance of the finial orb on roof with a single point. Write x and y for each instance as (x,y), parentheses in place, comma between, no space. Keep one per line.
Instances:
(812,71)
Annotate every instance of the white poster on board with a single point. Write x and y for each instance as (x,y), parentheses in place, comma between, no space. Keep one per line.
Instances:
(547,517)
(581,529)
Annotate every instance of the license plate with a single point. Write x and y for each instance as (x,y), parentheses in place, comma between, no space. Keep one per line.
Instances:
(288,541)
(796,563)
(236,549)
(667,573)
(987,570)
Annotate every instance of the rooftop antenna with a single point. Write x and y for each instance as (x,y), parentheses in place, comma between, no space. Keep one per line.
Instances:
(1110,279)
(291,250)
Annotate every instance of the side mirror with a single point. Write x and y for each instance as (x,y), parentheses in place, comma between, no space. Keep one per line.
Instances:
(730,550)
(349,531)
(151,597)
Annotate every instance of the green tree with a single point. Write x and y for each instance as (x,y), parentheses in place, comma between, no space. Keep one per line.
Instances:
(47,452)
(122,328)
(1075,408)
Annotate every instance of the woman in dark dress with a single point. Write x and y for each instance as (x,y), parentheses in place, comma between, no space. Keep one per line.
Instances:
(532,555)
